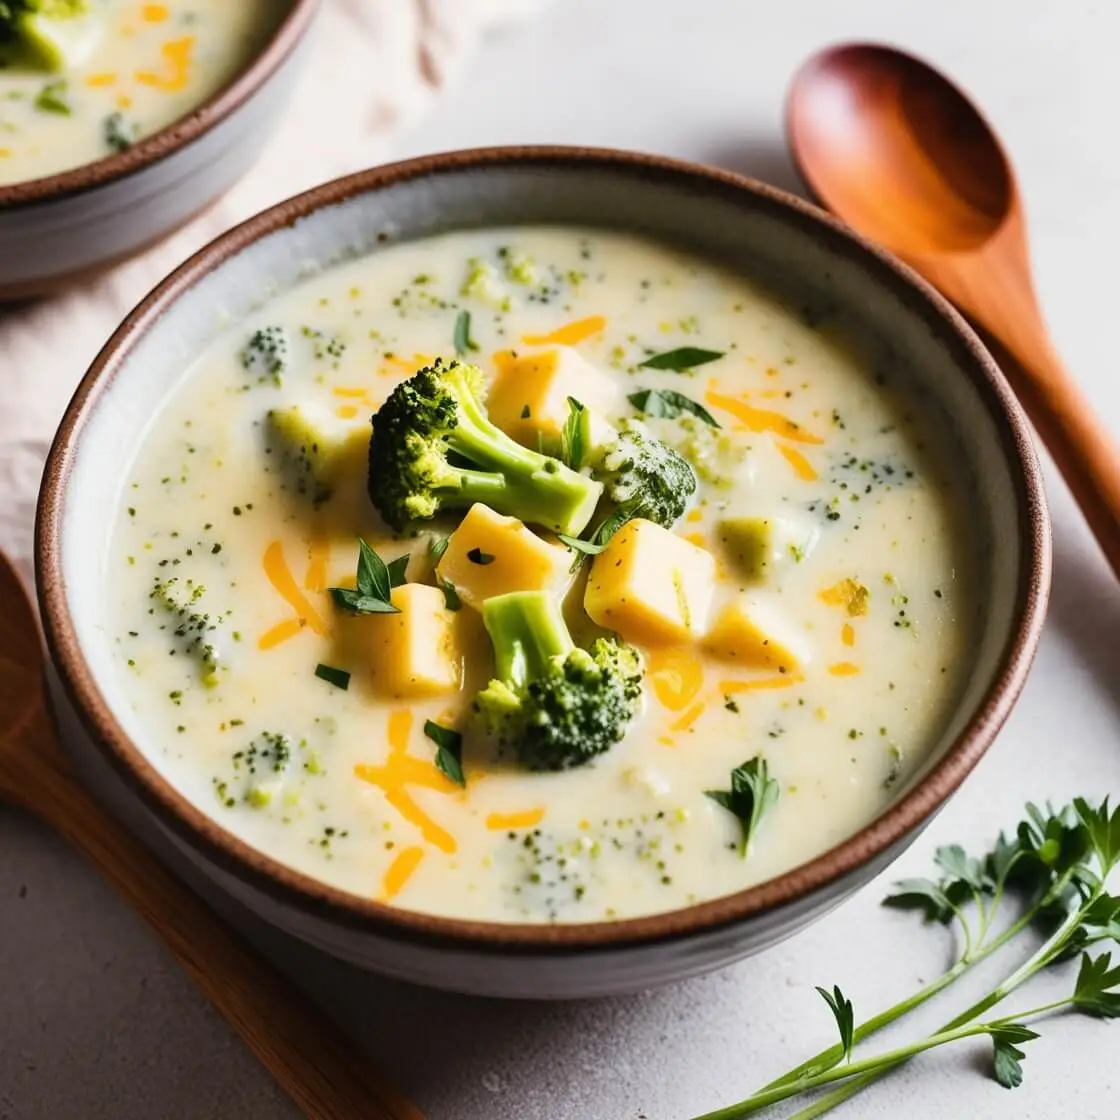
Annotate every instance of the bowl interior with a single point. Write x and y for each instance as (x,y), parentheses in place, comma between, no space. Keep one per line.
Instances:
(756,231)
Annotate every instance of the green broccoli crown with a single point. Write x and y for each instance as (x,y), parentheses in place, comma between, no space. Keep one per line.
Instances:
(434,447)
(637,469)
(553,704)
(267,354)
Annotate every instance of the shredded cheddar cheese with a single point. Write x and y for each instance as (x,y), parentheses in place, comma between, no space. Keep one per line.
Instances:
(568,335)
(399,872)
(801,466)
(847,634)
(786,680)
(689,718)
(761,419)
(527,818)
(177,56)
(281,578)
(401,769)
(281,632)
(849,594)
(843,669)
(676,675)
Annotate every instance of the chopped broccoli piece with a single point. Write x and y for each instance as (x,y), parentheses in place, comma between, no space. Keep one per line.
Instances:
(434,448)
(484,282)
(267,355)
(554,704)
(55,34)
(120,133)
(261,775)
(306,458)
(520,267)
(638,470)
(716,455)
(194,628)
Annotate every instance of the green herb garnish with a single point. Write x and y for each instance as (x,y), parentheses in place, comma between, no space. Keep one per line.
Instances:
(449,750)
(451,598)
(571,438)
(373,594)
(338,677)
(397,569)
(462,335)
(752,794)
(437,546)
(667,404)
(54,97)
(1056,867)
(687,357)
(604,533)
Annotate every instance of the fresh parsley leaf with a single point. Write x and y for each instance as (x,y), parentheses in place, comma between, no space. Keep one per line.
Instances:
(1104,831)
(753,792)
(526,412)
(462,334)
(669,404)
(930,897)
(844,1014)
(397,569)
(687,357)
(338,677)
(959,866)
(1002,858)
(54,97)
(437,546)
(604,533)
(375,586)
(1097,991)
(449,750)
(571,438)
(477,556)
(1007,1059)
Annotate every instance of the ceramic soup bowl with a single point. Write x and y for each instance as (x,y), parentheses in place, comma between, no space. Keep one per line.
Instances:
(61,228)
(743,224)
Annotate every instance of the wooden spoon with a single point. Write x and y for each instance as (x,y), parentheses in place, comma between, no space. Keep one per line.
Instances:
(304,1051)
(899,153)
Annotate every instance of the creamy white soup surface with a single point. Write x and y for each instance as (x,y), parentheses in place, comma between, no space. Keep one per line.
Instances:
(105,73)
(800,631)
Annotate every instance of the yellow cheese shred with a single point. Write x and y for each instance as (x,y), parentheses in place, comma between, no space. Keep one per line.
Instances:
(689,717)
(568,335)
(154,13)
(761,419)
(281,578)
(104,78)
(847,593)
(527,818)
(847,634)
(401,769)
(177,55)
(843,669)
(281,632)
(801,466)
(319,555)
(786,680)
(399,872)
(676,675)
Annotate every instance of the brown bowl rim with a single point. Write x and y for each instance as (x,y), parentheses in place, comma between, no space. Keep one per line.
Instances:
(309,895)
(149,150)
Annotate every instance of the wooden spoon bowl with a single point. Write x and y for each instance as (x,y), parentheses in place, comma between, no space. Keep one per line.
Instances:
(897,151)
(304,1051)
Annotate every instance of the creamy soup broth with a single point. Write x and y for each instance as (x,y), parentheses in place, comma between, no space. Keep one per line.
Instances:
(870,588)
(134,68)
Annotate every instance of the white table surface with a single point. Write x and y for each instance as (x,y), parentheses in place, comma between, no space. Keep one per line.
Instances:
(96,1021)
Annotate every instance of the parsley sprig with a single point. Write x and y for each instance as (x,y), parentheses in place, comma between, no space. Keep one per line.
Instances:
(375,582)
(1056,866)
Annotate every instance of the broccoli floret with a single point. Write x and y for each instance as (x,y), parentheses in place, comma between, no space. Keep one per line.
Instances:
(194,628)
(267,355)
(484,282)
(120,133)
(434,448)
(267,773)
(638,470)
(717,456)
(554,704)
(55,34)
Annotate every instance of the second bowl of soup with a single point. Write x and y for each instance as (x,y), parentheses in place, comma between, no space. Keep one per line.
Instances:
(587,571)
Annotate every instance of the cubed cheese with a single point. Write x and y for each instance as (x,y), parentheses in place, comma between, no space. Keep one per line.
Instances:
(528,398)
(760,546)
(755,634)
(416,652)
(491,555)
(651,586)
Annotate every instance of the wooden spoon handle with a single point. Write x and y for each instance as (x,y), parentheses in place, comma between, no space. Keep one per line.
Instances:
(306,1053)
(1082,447)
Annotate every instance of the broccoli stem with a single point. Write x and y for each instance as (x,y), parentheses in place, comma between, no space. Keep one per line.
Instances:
(528,632)
(530,486)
